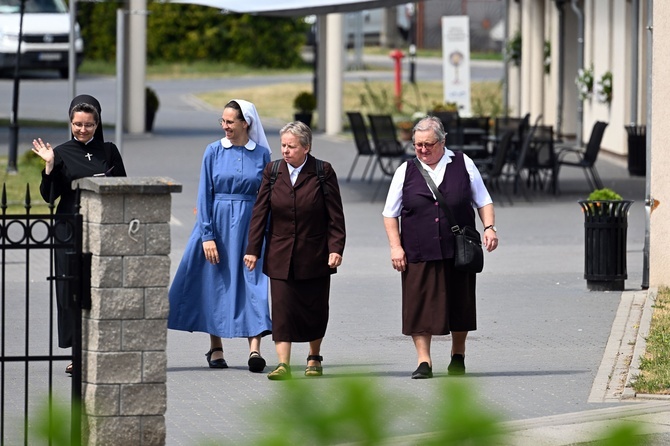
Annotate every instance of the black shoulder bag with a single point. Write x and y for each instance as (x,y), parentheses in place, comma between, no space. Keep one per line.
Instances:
(468,253)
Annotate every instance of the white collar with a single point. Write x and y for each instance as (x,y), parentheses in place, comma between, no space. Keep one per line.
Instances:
(299,168)
(225,142)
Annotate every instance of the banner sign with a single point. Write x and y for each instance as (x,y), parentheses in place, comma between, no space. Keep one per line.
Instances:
(456,62)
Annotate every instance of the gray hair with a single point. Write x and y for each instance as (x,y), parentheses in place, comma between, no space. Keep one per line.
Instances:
(299,130)
(85,108)
(430,123)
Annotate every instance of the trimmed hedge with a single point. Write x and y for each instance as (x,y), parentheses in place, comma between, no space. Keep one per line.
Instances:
(188,33)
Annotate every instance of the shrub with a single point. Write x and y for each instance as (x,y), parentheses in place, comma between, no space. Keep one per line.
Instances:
(304,102)
(152,99)
(604,195)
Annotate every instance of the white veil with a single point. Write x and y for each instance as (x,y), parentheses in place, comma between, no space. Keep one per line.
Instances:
(256,131)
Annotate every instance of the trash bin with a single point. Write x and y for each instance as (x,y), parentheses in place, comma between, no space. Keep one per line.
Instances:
(605,231)
(637,149)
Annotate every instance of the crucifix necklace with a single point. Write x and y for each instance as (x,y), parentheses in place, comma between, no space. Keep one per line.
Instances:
(88,155)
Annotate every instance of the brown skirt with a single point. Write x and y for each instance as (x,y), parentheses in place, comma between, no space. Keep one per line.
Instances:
(299,309)
(437,299)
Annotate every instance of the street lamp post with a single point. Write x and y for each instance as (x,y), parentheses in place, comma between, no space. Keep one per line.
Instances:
(13,122)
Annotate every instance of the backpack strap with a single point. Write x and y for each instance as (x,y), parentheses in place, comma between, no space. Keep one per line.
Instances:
(274,171)
(320,174)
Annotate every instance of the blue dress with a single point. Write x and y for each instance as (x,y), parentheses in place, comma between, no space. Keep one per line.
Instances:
(225,300)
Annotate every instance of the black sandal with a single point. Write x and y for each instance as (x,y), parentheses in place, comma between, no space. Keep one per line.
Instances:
(216,363)
(314,370)
(256,362)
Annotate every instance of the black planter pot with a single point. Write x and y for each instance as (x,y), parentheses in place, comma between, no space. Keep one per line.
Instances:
(149,119)
(305,118)
(605,232)
(637,149)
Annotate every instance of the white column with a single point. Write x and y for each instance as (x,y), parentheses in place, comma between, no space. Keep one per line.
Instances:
(659,255)
(514,74)
(135,70)
(334,73)
(532,74)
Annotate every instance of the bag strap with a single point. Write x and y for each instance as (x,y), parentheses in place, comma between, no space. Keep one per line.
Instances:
(440,199)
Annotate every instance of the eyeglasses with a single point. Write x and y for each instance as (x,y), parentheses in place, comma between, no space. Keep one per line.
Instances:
(86,125)
(222,121)
(425,145)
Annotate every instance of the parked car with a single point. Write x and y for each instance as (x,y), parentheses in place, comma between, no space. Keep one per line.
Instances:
(46,36)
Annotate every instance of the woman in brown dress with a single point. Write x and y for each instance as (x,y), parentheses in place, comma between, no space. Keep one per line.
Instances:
(437,299)
(304,245)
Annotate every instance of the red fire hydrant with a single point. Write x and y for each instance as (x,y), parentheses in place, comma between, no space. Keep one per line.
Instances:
(397,56)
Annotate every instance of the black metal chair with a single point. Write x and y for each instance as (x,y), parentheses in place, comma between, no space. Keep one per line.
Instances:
(363,146)
(389,150)
(492,172)
(473,136)
(450,123)
(520,127)
(514,171)
(586,159)
(542,159)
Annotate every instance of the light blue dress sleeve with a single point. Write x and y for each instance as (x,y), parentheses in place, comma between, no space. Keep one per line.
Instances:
(206,196)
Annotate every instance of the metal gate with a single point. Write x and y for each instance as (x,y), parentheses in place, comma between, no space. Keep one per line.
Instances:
(27,351)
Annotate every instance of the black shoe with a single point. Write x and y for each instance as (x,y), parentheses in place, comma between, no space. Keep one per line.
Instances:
(216,363)
(256,362)
(424,371)
(457,365)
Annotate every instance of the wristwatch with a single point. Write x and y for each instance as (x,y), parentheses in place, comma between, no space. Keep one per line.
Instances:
(491,227)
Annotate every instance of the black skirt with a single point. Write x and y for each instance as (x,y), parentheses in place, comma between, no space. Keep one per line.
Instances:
(437,299)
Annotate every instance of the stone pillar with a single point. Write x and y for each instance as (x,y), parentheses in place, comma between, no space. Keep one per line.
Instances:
(127,231)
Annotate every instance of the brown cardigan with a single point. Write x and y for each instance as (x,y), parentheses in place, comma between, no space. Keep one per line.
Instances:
(305,225)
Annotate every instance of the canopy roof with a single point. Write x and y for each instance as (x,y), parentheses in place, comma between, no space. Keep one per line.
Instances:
(292,7)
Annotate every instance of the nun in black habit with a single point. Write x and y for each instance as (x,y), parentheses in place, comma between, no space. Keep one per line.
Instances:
(85,155)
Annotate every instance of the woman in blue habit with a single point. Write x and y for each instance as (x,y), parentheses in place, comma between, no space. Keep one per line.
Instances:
(212,291)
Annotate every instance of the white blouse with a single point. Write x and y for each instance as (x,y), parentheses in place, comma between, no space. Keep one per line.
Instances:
(480,195)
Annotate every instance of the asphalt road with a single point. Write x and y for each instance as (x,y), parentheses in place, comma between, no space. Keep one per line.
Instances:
(42,95)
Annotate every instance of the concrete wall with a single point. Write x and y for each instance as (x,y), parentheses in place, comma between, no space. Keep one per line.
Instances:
(126,229)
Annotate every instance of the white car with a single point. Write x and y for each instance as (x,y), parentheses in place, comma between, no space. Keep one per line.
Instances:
(46,36)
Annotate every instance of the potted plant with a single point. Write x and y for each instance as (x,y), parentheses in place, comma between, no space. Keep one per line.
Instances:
(604,88)
(513,49)
(152,104)
(304,103)
(605,231)
(405,127)
(584,83)
(444,107)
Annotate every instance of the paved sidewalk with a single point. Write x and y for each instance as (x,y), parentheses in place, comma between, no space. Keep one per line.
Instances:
(544,345)
(547,352)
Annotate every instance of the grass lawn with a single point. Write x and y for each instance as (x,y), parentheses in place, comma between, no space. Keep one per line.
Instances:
(29,174)
(655,365)
(276,101)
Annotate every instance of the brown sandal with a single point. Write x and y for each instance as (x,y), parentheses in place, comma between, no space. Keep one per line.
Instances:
(314,370)
(281,373)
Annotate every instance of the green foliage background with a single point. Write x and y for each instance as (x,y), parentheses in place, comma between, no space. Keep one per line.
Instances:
(189,33)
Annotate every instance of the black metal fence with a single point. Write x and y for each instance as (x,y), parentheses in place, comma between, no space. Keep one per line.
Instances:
(28,350)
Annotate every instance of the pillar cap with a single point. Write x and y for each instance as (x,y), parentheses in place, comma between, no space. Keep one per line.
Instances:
(128,185)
